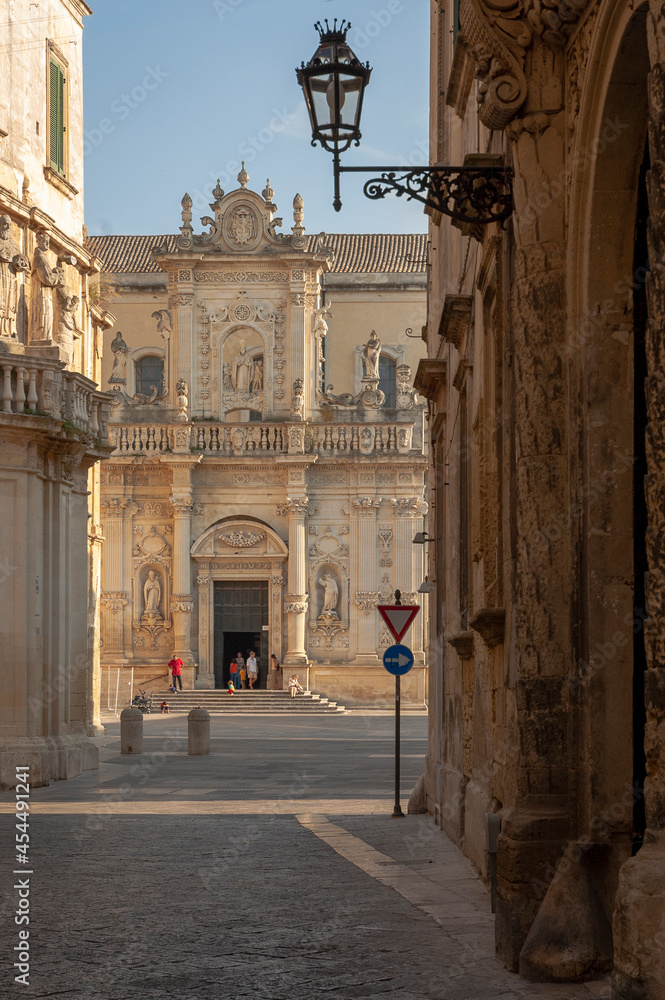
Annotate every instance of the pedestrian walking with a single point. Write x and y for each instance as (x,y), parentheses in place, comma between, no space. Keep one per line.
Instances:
(252,669)
(176,666)
(273,676)
(235,674)
(295,686)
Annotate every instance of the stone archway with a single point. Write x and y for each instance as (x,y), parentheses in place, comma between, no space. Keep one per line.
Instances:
(237,548)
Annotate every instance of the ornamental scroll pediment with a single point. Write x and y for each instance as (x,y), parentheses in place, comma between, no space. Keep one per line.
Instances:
(498,35)
(242,222)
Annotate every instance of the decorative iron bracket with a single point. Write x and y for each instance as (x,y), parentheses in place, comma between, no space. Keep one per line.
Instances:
(470,195)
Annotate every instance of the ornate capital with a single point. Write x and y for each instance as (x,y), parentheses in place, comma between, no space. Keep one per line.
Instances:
(367,600)
(296,604)
(184,505)
(296,507)
(182,603)
(409,506)
(114,601)
(203,581)
(364,506)
(120,508)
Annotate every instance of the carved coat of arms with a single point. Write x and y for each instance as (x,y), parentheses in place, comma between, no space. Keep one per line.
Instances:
(242,227)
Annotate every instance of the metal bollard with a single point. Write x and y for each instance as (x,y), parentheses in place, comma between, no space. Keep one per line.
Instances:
(198,731)
(131,731)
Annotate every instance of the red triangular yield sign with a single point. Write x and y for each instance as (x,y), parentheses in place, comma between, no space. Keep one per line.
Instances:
(398,617)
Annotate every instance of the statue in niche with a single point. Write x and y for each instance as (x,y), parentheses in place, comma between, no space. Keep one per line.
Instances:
(44,279)
(67,305)
(257,377)
(242,369)
(120,357)
(330,594)
(227,381)
(371,353)
(12,262)
(152,593)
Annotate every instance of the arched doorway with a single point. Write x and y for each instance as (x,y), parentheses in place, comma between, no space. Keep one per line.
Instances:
(241,576)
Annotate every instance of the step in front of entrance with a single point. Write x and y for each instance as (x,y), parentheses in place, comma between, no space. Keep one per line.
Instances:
(220,702)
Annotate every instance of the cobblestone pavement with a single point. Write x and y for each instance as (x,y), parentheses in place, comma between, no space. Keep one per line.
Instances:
(268,870)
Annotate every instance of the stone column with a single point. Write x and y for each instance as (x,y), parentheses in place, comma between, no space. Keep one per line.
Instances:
(114,597)
(639,916)
(181,599)
(297,600)
(363,551)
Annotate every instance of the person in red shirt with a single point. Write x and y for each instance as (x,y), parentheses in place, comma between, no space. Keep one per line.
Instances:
(176,666)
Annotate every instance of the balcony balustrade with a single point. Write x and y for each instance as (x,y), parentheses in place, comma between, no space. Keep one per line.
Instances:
(32,387)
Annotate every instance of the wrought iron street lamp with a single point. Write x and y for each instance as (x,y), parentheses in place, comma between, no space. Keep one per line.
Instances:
(334,82)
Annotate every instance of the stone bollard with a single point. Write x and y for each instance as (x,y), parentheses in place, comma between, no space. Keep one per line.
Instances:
(198,731)
(131,731)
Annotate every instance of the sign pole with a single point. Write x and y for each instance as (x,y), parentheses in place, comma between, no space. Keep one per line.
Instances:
(397,811)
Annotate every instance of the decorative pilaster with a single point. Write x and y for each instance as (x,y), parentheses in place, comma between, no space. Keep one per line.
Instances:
(182,600)
(181,368)
(409,513)
(298,335)
(297,600)
(117,574)
(362,532)
(206,673)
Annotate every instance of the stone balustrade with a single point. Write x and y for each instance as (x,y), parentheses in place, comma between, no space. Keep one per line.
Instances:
(34,387)
(247,439)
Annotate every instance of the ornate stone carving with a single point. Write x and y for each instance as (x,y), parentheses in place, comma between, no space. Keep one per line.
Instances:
(386,590)
(498,35)
(118,508)
(406,394)
(203,581)
(296,604)
(329,625)
(184,505)
(249,277)
(362,506)
(181,603)
(296,507)
(298,400)
(152,545)
(114,601)
(12,263)
(409,506)
(241,539)
(366,601)
(328,547)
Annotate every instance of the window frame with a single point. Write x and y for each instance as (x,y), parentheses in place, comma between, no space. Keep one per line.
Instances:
(54,57)
(137,361)
(389,359)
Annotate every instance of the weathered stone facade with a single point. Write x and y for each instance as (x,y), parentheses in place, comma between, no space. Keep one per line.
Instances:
(53,421)
(245,469)
(544,375)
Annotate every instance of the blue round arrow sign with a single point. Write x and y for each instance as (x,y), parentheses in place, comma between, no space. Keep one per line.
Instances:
(398,659)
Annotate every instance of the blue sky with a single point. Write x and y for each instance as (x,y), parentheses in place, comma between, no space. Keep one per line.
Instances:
(177,92)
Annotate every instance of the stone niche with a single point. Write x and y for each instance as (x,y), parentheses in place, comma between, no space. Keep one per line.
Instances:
(243,375)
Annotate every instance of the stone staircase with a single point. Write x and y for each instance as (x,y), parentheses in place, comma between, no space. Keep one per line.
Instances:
(220,702)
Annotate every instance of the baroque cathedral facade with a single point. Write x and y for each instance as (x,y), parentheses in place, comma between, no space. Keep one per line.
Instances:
(268,472)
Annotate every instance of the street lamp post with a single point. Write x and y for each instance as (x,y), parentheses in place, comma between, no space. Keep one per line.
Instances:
(334,82)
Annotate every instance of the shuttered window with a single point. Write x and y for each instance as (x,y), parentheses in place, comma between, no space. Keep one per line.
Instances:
(56,118)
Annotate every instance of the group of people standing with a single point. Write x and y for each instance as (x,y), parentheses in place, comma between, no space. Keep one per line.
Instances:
(243,674)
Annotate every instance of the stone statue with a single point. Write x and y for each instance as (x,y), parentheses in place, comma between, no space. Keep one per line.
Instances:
(44,279)
(320,328)
(227,382)
(12,262)
(257,378)
(298,400)
(67,305)
(330,594)
(181,389)
(152,593)
(163,317)
(242,368)
(371,353)
(120,357)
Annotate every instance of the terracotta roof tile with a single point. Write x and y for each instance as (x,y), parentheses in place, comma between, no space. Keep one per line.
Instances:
(354,253)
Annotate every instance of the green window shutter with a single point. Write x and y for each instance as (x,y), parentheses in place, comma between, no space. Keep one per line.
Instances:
(57,118)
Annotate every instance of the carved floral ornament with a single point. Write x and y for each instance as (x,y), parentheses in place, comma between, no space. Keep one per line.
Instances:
(498,35)
(241,539)
(296,507)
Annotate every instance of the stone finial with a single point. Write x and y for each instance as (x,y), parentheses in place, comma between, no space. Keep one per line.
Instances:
(298,211)
(268,192)
(243,176)
(218,191)
(186,214)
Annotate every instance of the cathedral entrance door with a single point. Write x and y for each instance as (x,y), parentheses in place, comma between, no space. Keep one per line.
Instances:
(240,612)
